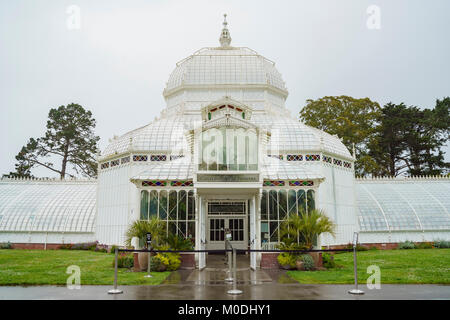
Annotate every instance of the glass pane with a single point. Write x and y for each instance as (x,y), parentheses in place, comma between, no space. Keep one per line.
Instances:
(229,149)
(311,200)
(264,206)
(181,227)
(182,201)
(301,200)
(282,204)
(172,205)
(144,205)
(153,203)
(274,232)
(191,231)
(163,205)
(264,232)
(273,205)
(292,202)
(191,205)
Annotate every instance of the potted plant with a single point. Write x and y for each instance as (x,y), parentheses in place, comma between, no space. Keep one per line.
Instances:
(177,242)
(139,229)
(300,231)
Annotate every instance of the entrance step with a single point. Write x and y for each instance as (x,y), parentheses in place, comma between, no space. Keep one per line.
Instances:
(247,276)
(218,262)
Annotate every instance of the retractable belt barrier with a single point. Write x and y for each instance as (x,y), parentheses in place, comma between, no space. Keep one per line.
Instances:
(231,260)
(237,250)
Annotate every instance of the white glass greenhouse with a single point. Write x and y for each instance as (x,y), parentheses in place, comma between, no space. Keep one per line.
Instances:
(225,153)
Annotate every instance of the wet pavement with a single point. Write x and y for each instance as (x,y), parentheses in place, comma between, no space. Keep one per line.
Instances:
(209,284)
(266,291)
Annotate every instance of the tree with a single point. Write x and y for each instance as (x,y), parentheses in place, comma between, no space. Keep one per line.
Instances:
(409,139)
(70,137)
(353,120)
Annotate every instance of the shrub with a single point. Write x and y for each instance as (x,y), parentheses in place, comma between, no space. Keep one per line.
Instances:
(66,246)
(328,261)
(170,260)
(113,249)
(174,261)
(156,264)
(358,247)
(84,246)
(373,248)
(441,244)
(406,245)
(287,259)
(124,261)
(308,262)
(6,245)
(177,242)
(101,250)
(424,245)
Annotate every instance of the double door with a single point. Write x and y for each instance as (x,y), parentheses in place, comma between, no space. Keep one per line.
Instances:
(219,225)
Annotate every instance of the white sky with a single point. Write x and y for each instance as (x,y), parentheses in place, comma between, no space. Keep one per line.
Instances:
(117,63)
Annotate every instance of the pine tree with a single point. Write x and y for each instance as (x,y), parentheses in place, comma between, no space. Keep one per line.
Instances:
(70,137)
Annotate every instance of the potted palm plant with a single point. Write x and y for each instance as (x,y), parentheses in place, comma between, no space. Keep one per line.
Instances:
(139,229)
(304,228)
(177,242)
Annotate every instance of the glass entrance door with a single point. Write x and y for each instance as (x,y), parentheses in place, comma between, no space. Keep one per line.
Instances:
(223,215)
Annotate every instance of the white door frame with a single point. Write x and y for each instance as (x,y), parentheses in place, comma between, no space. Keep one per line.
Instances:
(217,245)
(253,237)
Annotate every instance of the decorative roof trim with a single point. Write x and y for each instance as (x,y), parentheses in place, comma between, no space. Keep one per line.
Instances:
(227,121)
(402,179)
(269,87)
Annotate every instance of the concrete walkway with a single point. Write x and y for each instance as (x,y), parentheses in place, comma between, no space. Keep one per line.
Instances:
(209,284)
(268,291)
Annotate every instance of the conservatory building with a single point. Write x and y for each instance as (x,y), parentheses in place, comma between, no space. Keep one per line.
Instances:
(225,154)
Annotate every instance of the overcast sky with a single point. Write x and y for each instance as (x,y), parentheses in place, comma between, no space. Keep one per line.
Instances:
(118,61)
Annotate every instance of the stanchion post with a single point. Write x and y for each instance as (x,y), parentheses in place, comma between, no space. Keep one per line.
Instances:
(355,266)
(149,261)
(235,289)
(230,261)
(116,258)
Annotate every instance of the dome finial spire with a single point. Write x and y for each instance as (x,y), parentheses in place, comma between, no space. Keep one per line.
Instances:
(225,38)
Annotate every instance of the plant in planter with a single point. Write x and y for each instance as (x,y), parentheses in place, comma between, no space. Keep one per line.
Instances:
(328,261)
(177,242)
(157,264)
(287,260)
(307,262)
(124,261)
(139,229)
(306,226)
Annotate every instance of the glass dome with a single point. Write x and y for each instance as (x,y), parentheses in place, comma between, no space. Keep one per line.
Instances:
(225,66)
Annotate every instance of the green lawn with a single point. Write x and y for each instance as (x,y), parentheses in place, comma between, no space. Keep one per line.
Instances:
(39,267)
(396,266)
